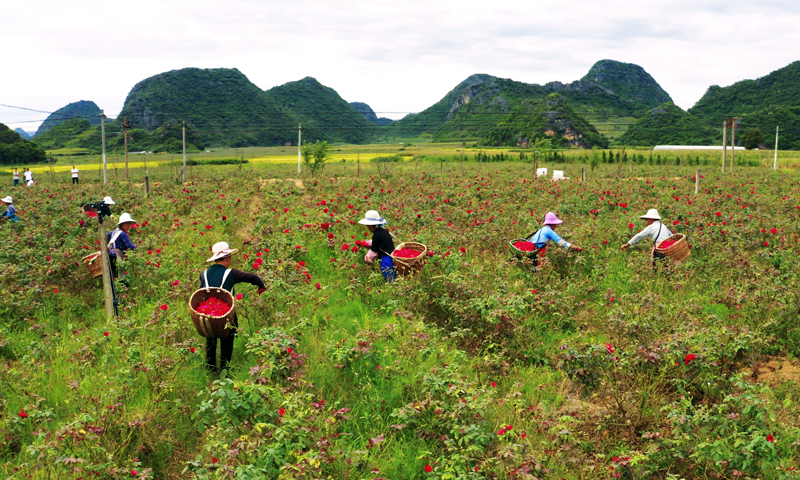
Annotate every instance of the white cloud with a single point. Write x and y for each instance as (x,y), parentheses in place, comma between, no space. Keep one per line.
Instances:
(396,56)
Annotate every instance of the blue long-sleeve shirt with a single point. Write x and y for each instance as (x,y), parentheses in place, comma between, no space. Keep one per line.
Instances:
(546,234)
(122,243)
(10,213)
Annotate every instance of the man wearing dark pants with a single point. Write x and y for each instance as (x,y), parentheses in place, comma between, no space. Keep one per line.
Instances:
(221,275)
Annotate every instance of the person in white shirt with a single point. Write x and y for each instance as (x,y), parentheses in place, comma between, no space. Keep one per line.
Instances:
(28,177)
(654,230)
(16,177)
(74,174)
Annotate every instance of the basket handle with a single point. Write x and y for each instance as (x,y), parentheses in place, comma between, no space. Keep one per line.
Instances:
(225,277)
(205,280)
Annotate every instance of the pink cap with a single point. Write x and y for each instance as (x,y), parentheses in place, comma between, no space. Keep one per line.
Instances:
(551,219)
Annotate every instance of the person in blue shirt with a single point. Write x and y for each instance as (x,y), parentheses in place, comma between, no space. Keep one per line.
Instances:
(119,242)
(546,234)
(11,212)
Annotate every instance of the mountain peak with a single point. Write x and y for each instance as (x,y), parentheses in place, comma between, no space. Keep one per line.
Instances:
(80,109)
(627,80)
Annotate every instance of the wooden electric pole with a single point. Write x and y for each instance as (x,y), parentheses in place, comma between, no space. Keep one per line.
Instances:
(183,171)
(724,144)
(775,162)
(103,135)
(299,146)
(108,289)
(733,142)
(125,127)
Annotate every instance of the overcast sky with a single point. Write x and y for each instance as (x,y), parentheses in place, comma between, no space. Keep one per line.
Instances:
(398,57)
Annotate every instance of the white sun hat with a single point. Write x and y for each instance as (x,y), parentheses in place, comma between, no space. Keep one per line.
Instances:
(125,218)
(7,199)
(651,214)
(372,217)
(221,250)
(109,201)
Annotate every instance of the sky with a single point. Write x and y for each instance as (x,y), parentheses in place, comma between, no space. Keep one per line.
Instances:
(399,57)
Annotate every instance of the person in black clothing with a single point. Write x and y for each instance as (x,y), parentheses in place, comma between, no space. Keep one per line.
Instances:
(223,276)
(381,246)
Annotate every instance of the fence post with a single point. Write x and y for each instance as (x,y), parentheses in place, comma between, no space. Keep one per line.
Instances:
(697,182)
(583,174)
(147,183)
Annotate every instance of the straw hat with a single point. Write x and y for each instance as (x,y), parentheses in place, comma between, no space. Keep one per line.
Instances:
(109,201)
(125,218)
(372,217)
(7,199)
(221,250)
(651,214)
(551,219)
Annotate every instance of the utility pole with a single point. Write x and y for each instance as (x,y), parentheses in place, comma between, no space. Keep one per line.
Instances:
(724,144)
(103,135)
(108,288)
(125,126)
(299,145)
(733,142)
(183,172)
(775,162)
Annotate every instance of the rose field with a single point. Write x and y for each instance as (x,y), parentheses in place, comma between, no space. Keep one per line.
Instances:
(596,366)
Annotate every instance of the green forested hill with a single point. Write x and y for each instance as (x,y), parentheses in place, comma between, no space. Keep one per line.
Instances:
(77,133)
(322,112)
(224,107)
(781,87)
(788,118)
(631,83)
(551,118)
(476,105)
(668,124)
(16,150)
(82,109)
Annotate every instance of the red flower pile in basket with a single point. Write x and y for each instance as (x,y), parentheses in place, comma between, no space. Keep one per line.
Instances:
(407,253)
(525,246)
(667,244)
(213,306)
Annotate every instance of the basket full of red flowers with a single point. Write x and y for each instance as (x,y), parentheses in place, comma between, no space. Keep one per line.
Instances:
(675,247)
(523,248)
(212,311)
(409,258)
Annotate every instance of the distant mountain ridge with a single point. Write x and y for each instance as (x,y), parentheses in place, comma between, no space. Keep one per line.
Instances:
(478,103)
(369,114)
(781,87)
(15,150)
(323,114)
(224,107)
(81,109)
(668,124)
(552,119)
(22,133)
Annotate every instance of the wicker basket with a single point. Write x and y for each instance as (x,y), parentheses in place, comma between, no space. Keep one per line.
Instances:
(519,253)
(94,263)
(410,266)
(678,251)
(210,326)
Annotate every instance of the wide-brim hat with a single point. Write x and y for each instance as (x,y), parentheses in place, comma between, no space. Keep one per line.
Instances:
(109,201)
(651,214)
(372,217)
(7,199)
(551,219)
(125,218)
(221,250)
